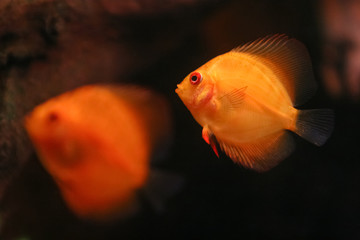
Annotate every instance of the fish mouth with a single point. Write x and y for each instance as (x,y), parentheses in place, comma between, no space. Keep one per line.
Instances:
(178,90)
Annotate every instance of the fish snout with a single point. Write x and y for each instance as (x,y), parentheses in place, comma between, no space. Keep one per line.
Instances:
(178,90)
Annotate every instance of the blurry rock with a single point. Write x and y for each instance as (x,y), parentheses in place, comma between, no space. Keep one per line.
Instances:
(341,48)
(51,46)
(131,7)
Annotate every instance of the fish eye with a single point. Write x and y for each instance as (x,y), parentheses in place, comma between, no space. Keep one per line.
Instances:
(52,117)
(195,78)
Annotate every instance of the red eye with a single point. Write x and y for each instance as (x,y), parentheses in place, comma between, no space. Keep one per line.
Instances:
(195,78)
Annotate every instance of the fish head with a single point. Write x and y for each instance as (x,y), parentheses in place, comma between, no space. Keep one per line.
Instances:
(49,131)
(196,90)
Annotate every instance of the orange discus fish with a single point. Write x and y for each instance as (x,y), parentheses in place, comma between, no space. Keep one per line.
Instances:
(96,142)
(245,99)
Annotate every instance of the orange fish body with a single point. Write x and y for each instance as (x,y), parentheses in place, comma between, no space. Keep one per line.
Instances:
(96,142)
(245,99)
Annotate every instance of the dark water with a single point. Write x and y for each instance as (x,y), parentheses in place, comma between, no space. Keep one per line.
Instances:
(313,194)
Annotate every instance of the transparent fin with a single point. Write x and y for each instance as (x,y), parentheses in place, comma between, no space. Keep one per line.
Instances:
(289,60)
(234,98)
(263,154)
(315,125)
(161,186)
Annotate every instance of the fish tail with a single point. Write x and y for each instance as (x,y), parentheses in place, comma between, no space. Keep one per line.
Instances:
(315,125)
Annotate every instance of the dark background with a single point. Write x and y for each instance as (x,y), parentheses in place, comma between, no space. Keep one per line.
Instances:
(313,194)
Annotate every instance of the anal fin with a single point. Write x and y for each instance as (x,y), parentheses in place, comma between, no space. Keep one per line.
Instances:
(263,154)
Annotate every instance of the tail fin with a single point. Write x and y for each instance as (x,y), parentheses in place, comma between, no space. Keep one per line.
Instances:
(315,125)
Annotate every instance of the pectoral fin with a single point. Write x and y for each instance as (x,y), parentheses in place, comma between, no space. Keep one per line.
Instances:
(234,98)
(210,139)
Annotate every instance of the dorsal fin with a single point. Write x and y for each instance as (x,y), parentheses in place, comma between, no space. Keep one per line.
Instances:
(289,60)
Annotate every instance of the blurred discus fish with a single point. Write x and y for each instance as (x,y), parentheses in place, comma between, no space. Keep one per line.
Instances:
(245,99)
(96,142)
